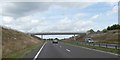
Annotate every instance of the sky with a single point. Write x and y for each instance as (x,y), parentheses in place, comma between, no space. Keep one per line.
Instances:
(58,16)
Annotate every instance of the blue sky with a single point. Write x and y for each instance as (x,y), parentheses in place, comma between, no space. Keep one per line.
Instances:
(59,16)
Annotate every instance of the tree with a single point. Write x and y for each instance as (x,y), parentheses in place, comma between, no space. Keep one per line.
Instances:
(104,30)
(114,27)
(91,31)
(56,39)
(108,28)
(98,31)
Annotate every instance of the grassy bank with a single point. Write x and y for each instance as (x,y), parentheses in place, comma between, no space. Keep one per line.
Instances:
(16,44)
(112,50)
(22,53)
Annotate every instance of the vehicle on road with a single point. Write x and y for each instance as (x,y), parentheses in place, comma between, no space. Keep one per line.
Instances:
(89,40)
(55,41)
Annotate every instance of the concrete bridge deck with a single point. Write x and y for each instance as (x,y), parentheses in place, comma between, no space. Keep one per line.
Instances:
(58,33)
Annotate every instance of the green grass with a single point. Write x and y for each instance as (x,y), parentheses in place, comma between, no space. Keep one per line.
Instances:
(23,52)
(113,50)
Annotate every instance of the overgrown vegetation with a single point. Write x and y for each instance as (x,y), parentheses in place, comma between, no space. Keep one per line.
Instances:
(21,53)
(0,42)
(114,27)
(104,30)
(107,35)
(15,43)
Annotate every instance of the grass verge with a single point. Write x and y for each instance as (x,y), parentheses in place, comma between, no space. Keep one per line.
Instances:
(112,50)
(21,53)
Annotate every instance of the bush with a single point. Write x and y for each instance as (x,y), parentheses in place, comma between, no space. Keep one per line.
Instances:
(114,27)
(104,30)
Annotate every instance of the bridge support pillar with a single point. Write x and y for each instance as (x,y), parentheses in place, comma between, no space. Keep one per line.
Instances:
(74,37)
(42,37)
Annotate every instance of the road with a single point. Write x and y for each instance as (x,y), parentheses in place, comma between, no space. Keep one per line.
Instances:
(62,50)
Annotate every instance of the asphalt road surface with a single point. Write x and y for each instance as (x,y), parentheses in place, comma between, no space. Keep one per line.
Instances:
(62,50)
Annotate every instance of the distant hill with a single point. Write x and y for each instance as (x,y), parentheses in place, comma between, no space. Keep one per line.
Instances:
(13,40)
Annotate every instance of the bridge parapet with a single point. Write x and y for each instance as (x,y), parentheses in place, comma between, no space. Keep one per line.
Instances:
(58,33)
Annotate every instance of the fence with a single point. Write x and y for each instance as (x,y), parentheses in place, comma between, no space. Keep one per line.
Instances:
(116,46)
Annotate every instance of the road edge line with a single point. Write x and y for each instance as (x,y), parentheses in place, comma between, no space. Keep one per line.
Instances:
(39,51)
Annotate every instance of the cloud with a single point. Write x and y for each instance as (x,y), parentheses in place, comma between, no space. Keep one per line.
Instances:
(7,20)
(94,17)
(114,10)
(74,4)
(66,24)
(20,9)
(63,25)
(28,19)
(60,0)
(25,24)
(80,14)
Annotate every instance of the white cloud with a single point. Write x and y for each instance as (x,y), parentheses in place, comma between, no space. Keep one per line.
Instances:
(60,0)
(75,4)
(7,20)
(100,0)
(24,24)
(28,16)
(94,17)
(80,14)
(21,9)
(114,10)
(70,25)
(29,23)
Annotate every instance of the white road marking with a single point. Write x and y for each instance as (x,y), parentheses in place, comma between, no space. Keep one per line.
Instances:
(68,50)
(39,51)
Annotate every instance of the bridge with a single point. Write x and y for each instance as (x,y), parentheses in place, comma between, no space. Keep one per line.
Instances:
(58,33)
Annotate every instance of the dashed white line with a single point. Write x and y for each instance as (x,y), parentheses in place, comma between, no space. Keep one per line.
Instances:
(39,51)
(68,50)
